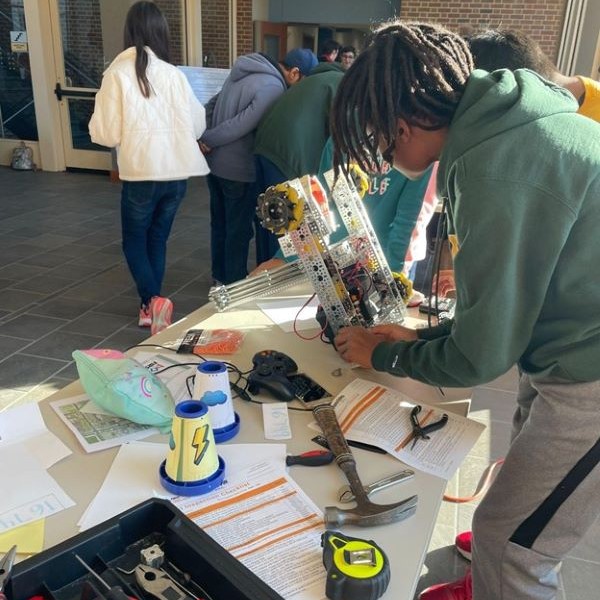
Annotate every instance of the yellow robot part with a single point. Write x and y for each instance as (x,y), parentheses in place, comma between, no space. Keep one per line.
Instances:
(404,284)
(280,209)
(360,179)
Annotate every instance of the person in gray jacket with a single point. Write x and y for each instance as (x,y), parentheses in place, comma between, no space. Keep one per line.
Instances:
(255,82)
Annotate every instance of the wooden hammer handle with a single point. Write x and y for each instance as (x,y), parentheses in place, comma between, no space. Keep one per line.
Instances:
(327,421)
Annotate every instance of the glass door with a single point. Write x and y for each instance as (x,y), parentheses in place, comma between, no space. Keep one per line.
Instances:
(88,34)
(17,110)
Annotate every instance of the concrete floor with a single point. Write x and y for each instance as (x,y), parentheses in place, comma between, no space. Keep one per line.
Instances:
(64,285)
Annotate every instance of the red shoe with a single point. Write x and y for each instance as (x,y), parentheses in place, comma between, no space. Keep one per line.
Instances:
(463,544)
(145,318)
(162,310)
(457,590)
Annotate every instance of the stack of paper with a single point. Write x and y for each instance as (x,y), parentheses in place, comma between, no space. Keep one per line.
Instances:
(29,494)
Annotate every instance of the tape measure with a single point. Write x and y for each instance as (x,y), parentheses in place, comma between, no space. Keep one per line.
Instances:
(356,569)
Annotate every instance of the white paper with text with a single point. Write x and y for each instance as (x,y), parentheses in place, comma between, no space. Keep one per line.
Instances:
(378,415)
(264,519)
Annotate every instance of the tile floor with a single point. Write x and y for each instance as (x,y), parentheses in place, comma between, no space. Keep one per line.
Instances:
(64,285)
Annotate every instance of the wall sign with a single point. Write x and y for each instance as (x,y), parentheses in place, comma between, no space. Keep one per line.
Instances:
(18,41)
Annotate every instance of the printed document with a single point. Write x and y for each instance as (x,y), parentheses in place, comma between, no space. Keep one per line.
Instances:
(264,519)
(378,415)
(94,428)
(133,475)
(29,493)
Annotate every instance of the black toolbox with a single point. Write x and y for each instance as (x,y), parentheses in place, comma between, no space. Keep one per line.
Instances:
(115,545)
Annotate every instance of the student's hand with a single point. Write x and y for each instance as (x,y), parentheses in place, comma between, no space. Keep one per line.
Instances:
(273,263)
(356,345)
(204,148)
(394,333)
(445,287)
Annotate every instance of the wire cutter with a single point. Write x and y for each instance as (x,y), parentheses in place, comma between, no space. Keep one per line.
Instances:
(5,568)
(422,433)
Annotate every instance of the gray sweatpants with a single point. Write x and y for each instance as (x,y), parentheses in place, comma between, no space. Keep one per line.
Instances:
(546,495)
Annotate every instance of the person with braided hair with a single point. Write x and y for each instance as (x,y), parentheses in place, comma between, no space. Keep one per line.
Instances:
(519,173)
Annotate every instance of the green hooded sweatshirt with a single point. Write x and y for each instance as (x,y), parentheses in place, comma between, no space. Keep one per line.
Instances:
(521,174)
(293,132)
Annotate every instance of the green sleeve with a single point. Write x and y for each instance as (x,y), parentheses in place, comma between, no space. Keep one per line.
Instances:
(510,235)
(431,333)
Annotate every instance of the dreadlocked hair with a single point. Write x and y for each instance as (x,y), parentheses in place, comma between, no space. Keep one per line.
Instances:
(416,71)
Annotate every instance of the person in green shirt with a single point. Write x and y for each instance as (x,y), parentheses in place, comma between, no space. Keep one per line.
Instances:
(291,137)
(519,173)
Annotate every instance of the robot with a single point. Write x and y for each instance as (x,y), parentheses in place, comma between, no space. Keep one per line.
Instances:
(351,278)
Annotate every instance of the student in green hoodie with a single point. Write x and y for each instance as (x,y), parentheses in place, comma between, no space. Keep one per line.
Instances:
(520,174)
(291,137)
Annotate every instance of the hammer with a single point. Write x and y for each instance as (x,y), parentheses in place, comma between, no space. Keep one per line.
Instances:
(366,513)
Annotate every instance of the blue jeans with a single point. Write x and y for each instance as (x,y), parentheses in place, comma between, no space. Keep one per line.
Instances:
(267,174)
(147,212)
(232,209)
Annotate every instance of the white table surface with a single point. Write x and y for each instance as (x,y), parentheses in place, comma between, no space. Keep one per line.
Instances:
(405,543)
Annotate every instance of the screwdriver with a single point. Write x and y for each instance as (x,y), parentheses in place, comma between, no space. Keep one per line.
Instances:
(115,592)
(313,458)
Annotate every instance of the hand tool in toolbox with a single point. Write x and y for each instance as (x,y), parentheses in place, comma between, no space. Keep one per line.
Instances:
(114,592)
(365,513)
(356,569)
(345,493)
(5,568)
(312,458)
(420,432)
(160,584)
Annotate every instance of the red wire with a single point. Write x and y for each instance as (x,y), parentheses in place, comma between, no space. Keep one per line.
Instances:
(314,337)
(483,486)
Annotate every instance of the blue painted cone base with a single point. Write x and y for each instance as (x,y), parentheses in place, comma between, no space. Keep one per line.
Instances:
(229,431)
(192,488)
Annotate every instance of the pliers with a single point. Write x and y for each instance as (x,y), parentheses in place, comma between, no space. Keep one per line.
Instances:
(6,565)
(422,433)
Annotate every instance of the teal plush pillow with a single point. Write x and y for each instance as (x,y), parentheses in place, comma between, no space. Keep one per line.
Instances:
(123,387)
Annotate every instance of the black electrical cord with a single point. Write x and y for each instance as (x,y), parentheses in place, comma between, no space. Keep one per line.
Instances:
(440,234)
(241,392)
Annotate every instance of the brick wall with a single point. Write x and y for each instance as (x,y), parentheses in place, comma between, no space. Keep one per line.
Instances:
(245,30)
(215,33)
(173,14)
(541,19)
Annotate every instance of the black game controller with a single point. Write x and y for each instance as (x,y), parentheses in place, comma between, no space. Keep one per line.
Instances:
(270,373)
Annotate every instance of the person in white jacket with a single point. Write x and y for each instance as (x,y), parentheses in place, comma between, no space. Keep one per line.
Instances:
(147,110)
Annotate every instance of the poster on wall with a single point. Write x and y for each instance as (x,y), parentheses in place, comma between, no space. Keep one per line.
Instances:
(205,81)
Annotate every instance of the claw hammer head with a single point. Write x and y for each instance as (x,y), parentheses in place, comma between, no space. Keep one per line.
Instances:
(368,514)
(365,513)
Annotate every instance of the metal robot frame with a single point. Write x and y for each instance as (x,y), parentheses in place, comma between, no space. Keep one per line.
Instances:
(351,278)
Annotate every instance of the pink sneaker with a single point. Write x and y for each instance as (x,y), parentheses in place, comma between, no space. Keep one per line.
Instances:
(161,309)
(145,318)
(463,544)
(457,590)
(416,299)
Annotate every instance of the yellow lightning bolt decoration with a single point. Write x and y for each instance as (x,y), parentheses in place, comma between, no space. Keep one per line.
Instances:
(200,442)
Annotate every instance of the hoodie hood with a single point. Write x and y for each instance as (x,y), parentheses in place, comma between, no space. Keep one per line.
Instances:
(493,104)
(254,64)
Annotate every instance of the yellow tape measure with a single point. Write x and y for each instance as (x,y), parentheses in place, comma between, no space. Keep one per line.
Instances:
(356,569)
